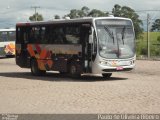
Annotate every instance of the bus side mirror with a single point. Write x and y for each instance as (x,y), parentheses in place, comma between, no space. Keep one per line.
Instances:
(94,55)
(91,35)
(90,38)
(90,31)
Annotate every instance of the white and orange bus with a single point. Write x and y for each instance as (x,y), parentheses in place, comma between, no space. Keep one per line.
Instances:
(7,42)
(99,45)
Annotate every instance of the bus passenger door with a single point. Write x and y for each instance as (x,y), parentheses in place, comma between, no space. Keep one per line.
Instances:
(21,47)
(87,47)
(94,52)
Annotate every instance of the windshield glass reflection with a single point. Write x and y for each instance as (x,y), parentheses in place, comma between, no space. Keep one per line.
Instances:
(116,41)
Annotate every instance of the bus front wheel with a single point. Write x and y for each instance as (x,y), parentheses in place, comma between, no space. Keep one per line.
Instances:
(106,75)
(35,70)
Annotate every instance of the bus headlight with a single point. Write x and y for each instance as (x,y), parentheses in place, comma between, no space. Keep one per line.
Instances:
(103,63)
(132,62)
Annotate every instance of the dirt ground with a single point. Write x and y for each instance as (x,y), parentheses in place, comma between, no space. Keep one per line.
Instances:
(137,91)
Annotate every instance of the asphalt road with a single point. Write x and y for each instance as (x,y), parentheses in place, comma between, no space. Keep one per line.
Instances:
(137,91)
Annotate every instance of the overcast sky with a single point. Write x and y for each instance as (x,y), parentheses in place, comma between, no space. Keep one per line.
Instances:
(13,11)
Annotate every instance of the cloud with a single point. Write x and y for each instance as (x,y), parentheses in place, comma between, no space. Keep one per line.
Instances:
(12,11)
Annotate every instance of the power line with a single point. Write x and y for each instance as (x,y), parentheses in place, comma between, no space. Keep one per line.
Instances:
(35,8)
(147,10)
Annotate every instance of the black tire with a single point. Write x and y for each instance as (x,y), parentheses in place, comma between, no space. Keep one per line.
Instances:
(106,75)
(73,71)
(35,70)
(63,73)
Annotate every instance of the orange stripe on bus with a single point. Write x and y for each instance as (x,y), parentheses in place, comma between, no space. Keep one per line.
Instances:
(30,50)
(11,45)
(10,48)
(41,64)
(50,63)
(43,54)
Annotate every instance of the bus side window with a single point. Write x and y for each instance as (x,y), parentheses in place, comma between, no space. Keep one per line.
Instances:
(5,36)
(18,35)
(57,34)
(43,37)
(21,35)
(1,37)
(12,36)
(72,34)
(37,35)
(31,35)
(25,37)
(48,34)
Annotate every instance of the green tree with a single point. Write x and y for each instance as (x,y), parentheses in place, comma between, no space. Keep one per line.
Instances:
(85,12)
(116,11)
(156,25)
(74,13)
(36,17)
(56,17)
(158,39)
(127,12)
(97,13)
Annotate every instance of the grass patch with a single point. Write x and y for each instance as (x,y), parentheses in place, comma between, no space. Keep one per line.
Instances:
(141,44)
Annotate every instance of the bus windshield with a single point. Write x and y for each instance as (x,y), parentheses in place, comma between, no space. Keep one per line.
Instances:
(116,39)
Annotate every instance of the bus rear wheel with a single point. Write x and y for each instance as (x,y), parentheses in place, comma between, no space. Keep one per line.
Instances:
(106,75)
(35,70)
(73,71)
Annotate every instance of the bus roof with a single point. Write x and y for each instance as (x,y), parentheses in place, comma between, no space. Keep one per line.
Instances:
(7,29)
(59,21)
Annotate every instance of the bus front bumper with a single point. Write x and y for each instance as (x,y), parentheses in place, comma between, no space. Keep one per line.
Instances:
(99,68)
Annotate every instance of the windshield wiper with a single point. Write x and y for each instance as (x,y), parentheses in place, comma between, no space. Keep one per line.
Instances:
(123,32)
(110,33)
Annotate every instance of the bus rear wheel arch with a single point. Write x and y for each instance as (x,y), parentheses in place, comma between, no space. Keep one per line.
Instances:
(106,75)
(74,70)
(35,70)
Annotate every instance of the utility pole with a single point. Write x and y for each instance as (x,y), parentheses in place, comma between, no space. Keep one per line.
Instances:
(148,37)
(35,8)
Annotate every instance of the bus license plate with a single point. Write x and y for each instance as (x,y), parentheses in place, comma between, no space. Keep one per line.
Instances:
(119,68)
